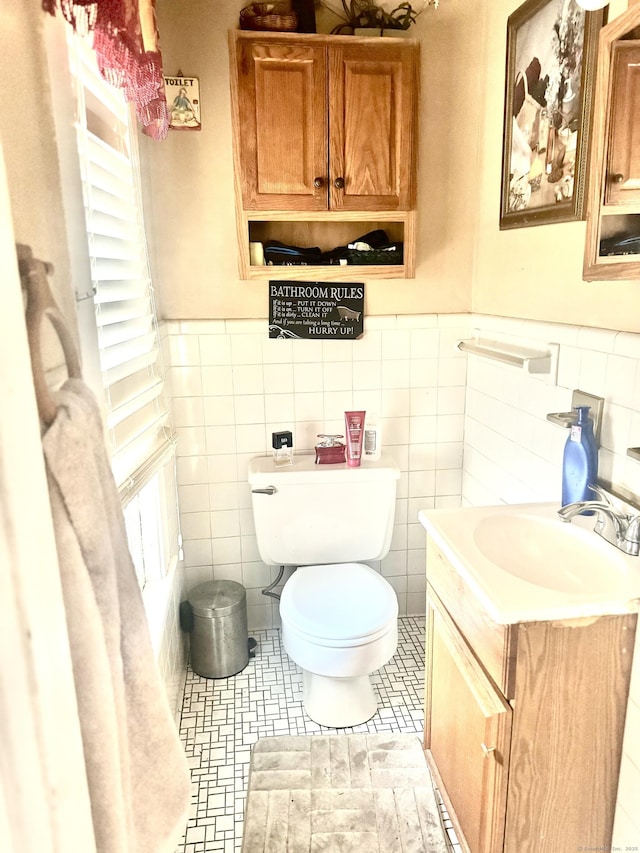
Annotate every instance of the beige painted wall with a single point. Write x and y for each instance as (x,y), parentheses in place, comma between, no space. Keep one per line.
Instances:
(464,261)
(191,177)
(534,272)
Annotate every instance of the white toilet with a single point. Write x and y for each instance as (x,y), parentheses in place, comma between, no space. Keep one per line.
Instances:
(339,617)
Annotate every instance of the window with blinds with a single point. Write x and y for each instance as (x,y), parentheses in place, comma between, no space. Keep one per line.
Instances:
(137,419)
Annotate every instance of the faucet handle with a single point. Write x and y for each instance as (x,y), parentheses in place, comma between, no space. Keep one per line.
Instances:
(604,497)
(632,536)
(601,519)
(634,525)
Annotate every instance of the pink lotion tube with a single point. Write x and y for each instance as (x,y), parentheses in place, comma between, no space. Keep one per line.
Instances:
(354,429)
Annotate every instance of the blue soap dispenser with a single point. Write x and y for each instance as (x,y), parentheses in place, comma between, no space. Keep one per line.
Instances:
(580,460)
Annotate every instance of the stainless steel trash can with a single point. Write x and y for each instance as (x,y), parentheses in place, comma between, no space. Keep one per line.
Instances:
(219,640)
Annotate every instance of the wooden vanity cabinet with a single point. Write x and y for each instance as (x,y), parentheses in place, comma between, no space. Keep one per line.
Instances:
(612,247)
(468,732)
(325,137)
(523,722)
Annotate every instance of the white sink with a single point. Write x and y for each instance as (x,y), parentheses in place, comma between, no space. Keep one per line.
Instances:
(551,553)
(525,564)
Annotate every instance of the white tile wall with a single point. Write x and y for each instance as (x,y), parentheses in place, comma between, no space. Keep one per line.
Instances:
(512,454)
(162,597)
(170,643)
(232,387)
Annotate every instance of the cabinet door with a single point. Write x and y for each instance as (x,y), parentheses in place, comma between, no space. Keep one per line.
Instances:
(468,731)
(623,163)
(373,97)
(281,133)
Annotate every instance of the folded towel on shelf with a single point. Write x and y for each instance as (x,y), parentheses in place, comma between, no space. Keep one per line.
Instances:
(136,768)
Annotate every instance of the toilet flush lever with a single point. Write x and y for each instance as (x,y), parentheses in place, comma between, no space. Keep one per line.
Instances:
(268,490)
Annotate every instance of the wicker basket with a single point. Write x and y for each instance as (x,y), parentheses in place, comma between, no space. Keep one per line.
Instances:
(277,17)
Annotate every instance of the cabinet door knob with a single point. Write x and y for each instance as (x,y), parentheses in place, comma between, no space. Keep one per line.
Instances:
(487,750)
(617,178)
(318,183)
(339,183)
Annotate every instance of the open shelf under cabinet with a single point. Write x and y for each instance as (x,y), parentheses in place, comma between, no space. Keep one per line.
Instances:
(327,232)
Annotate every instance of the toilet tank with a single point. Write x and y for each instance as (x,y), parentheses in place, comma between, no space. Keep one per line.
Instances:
(322,513)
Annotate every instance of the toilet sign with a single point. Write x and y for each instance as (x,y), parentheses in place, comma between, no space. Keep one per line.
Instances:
(183,102)
(316,310)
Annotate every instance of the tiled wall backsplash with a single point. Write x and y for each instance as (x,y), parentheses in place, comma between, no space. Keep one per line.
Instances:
(512,454)
(162,604)
(232,387)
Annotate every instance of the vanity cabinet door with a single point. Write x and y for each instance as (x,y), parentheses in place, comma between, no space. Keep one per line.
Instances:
(623,166)
(468,732)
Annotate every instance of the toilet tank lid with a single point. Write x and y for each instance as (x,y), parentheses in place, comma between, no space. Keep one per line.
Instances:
(263,472)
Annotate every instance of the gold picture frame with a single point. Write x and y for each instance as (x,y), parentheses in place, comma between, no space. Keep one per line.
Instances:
(551,55)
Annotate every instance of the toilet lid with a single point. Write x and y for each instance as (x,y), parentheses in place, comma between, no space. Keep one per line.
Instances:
(338,602)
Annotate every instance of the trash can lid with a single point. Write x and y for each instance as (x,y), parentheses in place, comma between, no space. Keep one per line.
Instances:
(217,598)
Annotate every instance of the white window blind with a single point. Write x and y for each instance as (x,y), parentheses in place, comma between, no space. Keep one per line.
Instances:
(137,419)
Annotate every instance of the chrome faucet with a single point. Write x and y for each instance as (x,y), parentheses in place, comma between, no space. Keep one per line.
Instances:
(616,526)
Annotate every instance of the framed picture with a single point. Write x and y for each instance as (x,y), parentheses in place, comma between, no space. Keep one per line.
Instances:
(551,55)
(183,101)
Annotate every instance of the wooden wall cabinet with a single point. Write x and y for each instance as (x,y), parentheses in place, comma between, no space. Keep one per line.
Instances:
(325,143)
(612,248)
(523,722)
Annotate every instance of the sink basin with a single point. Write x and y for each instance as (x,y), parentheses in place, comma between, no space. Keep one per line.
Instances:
(550,553)
(525,564)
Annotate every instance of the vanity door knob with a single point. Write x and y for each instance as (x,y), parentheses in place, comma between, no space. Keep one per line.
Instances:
(487,750)
(339,183)
(617,178)
(318,183)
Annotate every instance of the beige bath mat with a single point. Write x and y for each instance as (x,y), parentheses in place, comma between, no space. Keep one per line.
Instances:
(341,794)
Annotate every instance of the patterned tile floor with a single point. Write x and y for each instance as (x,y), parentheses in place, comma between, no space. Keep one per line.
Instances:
(223,718)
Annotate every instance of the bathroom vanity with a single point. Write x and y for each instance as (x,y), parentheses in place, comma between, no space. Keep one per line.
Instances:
(527,676)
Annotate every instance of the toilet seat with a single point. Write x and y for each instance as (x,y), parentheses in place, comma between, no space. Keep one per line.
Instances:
(339,605)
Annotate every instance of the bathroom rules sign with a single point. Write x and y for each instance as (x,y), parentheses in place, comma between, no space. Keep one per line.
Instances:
(316,310)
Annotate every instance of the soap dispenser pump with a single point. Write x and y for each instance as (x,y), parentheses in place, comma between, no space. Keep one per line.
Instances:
(580,460)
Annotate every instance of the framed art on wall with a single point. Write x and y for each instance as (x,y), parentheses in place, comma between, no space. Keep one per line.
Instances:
(183,101)
(551,53)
